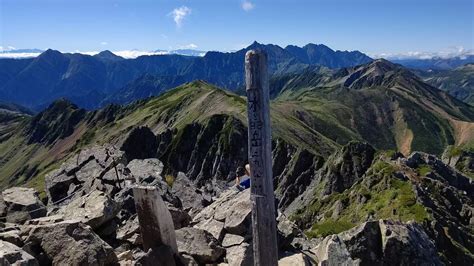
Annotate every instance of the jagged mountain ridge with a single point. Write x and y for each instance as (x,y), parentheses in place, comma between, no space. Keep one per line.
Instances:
(88,80)
(190,108)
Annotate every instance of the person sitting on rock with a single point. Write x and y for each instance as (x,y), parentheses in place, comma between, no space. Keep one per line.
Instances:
(243,176)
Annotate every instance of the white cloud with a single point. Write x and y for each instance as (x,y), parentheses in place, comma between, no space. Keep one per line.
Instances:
(450,52)
(188,46)
(179,14)
(104,43)
(129,54)
(18,55)
(247,5)
(136,53)
(7,48)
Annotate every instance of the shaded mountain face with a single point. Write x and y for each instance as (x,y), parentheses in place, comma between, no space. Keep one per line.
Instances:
(319,54)
(88,80)
(144,87)
(458,82)
(381,103)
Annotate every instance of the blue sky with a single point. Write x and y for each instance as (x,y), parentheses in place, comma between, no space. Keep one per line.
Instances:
(372,26)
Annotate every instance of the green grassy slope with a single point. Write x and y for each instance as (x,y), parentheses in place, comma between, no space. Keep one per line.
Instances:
(383,104)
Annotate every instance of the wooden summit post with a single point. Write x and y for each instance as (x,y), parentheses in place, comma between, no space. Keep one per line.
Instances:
(156,223)
(265,251)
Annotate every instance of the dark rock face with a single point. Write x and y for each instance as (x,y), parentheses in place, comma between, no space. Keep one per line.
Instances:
(210,153)
(347,166)
(449,197)
(141,143)
(297,175)
(462,160)
(56,122)
(205,151)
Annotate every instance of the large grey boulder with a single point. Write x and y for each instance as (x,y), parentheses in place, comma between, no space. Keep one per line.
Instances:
(83,173)
(407,244)
(333,251)
(199,244)
(22,204)
(378,243)
(232,240)
(287,231)
(180,217)
(216,228)
(364,242)
(192,198)
(148,172)
(13,255)
(94,209)
(240,255)
(162,255)
(130,231)
(298,259)
(233,208)
(67,243)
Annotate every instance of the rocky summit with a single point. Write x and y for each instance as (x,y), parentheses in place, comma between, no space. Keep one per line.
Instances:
(360,208)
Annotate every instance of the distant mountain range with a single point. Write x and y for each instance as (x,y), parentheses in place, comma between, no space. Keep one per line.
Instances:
(91,81)
(94,81)
(11,52)
(435,63)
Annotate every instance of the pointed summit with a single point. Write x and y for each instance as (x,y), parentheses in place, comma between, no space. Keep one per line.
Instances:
(108,55)
(50,54)
(255,45)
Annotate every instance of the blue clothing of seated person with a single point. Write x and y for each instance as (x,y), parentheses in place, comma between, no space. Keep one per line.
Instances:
(245,181)
(243,177)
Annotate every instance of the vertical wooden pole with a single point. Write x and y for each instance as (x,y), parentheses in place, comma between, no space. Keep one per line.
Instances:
(265,249)
(156,224)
